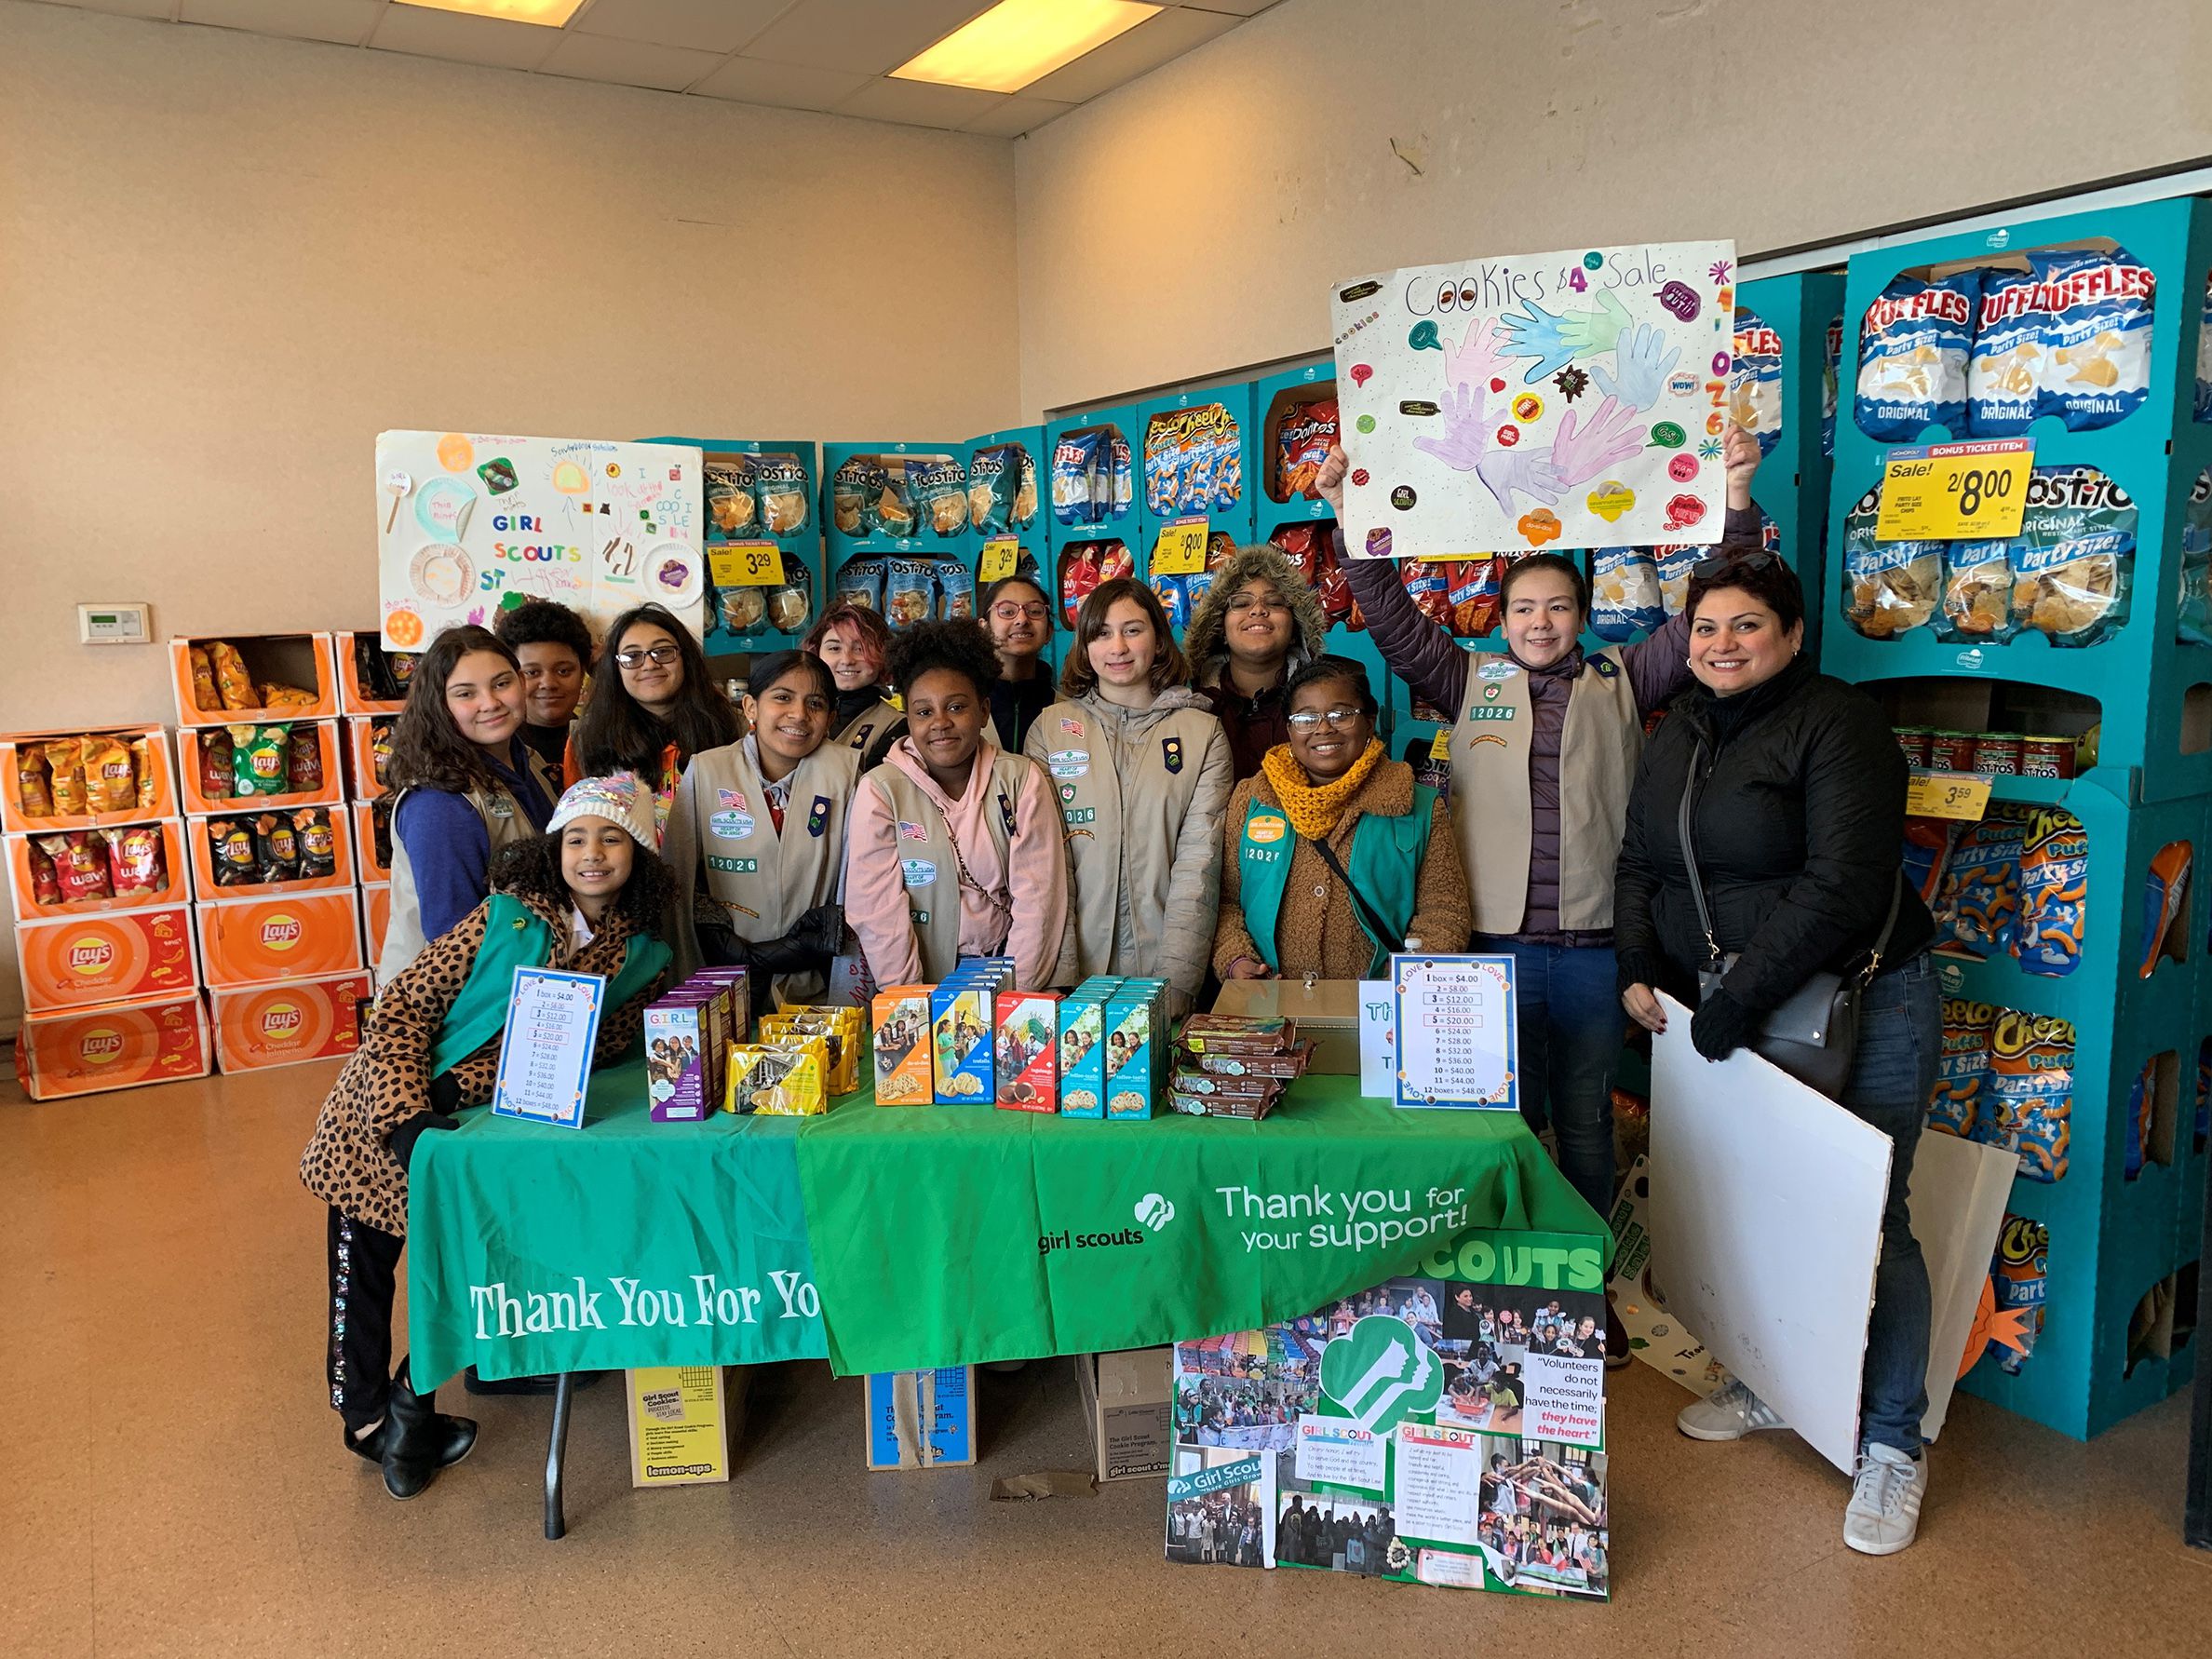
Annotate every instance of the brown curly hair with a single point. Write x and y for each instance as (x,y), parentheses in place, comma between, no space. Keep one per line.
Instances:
(1170,666)
(429,751)
(532,869)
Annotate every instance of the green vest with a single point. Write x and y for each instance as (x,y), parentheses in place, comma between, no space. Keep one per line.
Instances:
(1385,868)
(516,937)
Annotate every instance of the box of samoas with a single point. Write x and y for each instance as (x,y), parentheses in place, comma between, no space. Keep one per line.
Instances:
(1082,1048)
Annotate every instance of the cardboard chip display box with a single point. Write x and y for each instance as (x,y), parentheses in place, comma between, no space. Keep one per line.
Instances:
(87,1051)
(922,1420)
(681,1422)
(1128,1399)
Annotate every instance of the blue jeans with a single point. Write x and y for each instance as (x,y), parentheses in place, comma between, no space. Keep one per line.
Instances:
(1892,1076)
(1568,1030)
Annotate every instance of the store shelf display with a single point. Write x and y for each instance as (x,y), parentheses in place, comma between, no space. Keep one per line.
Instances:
(763,541)
(1007,490)
(900,530)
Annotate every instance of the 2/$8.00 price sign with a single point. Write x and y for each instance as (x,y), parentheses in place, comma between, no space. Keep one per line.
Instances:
(1955,491)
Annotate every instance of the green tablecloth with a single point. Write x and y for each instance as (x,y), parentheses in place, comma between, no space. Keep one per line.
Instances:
(941,1235)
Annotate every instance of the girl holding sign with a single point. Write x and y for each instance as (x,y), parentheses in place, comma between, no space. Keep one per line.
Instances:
(954,848)
(756,840)
(584,896)
(1543,755)
(1143,771)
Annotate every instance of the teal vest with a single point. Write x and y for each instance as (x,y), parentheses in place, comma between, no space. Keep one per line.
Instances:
(516,937)
(1385,868)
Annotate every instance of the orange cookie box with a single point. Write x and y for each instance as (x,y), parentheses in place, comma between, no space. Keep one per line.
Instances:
(113,957)
(85,1051)
(287,1024)
(247,942)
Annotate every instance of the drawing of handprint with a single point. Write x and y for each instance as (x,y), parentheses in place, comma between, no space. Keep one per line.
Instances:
(1464,439)
(1581,449)
(1535,333)
(1640,369)
(1528,471)
(1593,333)
(1478,358)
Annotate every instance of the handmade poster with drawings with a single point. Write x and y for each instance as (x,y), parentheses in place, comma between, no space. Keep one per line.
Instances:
(545,1054)
(1435,1431)
(468,523)
(1537,401)
(1455,1031)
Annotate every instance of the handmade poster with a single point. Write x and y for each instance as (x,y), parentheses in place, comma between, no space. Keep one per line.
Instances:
(1395,1433)
(1537,401)
(468,523)
(545,1054)
(1454,1020)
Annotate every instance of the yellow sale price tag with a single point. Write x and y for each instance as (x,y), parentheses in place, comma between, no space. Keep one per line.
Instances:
(1180,551)
(1001,553)
(1440,745)
(1948,795)
(1955,491)
(747,565)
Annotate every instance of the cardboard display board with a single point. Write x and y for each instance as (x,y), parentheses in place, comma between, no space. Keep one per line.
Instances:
(1536,401)
(678,1433)
(1126,1396)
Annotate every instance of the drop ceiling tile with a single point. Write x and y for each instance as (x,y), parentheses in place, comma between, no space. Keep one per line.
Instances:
(860,37)
(1243,9)
(1010,117)
(344,20)
(129,8)
(785,85)
(919,103)
(706,25)
(461,38)
(1126,57)
(627,62)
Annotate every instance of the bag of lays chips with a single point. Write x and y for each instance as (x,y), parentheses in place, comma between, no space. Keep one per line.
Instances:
(46,886)
(2053,894)
(65,773)
(380,751)
(276,848)
(259,755)
(146,788)
(2166,897)
(110,784)
(285,699)
(31,781)
(318,848)
(80,865)
(204,695)
(231,679)
(217,782)
(136,863)
(1962,1072)
(231,851)
(2032,1060)
(302,761)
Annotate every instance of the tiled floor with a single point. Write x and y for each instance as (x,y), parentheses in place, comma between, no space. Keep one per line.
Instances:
(171,1481)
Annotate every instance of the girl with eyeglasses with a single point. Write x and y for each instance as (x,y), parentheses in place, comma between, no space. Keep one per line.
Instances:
(756,838)
(1334,857)
(953,851)
(465,786)
(1258,624)
(1543,753)
(856,643)
(1020,619)
(1143,771)
(657,710)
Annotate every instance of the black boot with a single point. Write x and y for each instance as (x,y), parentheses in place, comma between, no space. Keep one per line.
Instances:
(410,1438)
(456,1439)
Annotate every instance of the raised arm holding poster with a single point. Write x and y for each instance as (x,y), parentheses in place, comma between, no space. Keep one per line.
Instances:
(1537,401)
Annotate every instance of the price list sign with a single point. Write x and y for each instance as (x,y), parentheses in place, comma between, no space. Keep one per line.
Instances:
(545,1056)
(1455,1031)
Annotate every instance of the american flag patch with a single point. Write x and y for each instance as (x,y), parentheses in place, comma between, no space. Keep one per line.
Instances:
(1073,727)
(911,831)
(734,800)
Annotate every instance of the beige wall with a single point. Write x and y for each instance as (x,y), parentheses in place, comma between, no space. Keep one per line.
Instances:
(227,263)
(1194,220)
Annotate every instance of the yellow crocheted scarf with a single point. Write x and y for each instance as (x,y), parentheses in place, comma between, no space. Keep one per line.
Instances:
(1314,808)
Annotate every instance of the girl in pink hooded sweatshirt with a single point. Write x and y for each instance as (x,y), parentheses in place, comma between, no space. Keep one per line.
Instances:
(954,847)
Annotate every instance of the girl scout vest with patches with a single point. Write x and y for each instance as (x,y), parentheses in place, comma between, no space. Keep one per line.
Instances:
(927,864)
(867,726)
(1492,809)
(764,881)
(1385,868)
(1121,830)
(504,824)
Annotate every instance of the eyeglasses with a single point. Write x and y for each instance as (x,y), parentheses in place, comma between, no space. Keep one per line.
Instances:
(1245,601)
(661,656)
(1727,564)
(1306,719)
(1009,610)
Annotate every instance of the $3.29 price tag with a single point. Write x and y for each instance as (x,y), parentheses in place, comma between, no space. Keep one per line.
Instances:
(1001,553)
(1180,551)
(747,565)
(1963,795)
(1955,491)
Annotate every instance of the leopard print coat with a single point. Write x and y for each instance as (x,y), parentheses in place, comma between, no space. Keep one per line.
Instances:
(348,1163)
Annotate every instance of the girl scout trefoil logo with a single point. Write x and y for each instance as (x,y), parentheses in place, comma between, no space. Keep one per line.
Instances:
(817,817)
(1171,753)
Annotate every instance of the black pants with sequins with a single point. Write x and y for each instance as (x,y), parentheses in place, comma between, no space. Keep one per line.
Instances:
(364,1273)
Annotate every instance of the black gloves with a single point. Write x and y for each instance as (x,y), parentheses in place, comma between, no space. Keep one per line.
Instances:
(411,1131)
(721,947)
(1722,1025)
(810,944)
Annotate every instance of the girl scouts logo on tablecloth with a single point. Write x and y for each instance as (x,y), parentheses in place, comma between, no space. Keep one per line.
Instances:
(1380,1373)
(817,819)
(1007,813)
(1171,752)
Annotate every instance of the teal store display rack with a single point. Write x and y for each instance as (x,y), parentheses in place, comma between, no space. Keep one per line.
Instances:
(1032,557)
(799,548)
(925,551)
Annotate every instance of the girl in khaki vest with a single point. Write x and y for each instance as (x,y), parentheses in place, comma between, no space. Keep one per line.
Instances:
(1543,757)
(756,839)
(1142,771)
(856,643)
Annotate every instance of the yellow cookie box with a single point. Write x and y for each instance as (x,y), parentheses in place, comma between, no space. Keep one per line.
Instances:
(777,1079)
(840,1028)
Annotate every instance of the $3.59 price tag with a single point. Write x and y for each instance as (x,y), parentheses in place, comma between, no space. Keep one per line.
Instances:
(1955,491)
(747,565)
(1963,795)
(1180,551)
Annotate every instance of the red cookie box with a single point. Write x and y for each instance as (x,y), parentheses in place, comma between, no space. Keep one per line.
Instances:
(287,1024)
(162,804)
(172,891)
(88,1051)
(197,804)
(306,661)
(118,956)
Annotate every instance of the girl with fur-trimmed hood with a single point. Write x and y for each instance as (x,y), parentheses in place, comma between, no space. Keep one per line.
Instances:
(1258,624)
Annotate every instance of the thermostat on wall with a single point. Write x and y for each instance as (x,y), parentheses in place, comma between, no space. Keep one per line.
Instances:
(114,624)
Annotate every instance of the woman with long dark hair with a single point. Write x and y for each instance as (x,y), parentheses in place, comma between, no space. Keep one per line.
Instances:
(656,707)
(463,785)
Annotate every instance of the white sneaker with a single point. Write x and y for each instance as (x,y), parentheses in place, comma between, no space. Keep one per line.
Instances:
(1885,1500)
(1730,1412)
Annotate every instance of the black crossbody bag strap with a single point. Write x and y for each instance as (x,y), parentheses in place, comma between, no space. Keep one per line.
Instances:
(1391,942)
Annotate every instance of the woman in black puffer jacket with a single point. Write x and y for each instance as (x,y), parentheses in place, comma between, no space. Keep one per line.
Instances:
(1799,824)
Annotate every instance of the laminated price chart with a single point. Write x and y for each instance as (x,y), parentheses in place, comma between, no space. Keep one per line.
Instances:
(1455,1031)
(545,1056)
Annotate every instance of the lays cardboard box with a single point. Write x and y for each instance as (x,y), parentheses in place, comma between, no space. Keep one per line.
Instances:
(329,826)
(256,941)
(372,837)
(152,775)
(287,1024)
(376,915)
(361,754)
(87,1051)
(302,661)
(168,888)
(357,694)
(194,760)
(119,956)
